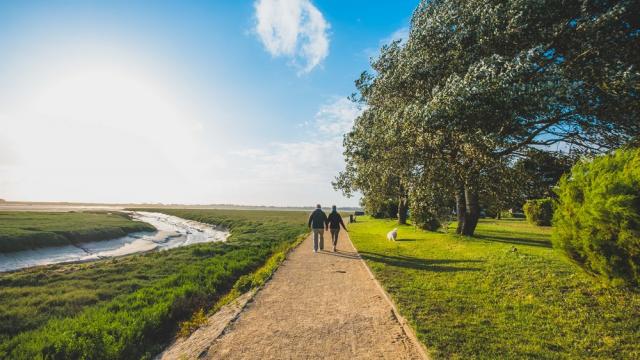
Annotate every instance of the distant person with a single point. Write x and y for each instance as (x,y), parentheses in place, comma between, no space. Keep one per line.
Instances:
(317,221)
(333,224)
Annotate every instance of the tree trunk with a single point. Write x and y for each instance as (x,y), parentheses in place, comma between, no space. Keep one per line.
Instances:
(402,211)
(472,214)
(461,209)
(499,214)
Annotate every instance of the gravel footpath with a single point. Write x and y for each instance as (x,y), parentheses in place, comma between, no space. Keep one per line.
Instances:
(318,305)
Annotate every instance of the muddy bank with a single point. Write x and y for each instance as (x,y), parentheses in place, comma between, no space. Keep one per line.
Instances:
(172,232)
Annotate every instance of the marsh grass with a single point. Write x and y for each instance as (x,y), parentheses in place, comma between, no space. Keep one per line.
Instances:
(23,230)
(505,294)
(131,307)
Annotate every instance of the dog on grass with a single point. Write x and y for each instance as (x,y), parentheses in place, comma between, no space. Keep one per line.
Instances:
(392,235)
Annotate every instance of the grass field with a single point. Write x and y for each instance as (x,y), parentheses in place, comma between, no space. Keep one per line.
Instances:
(504,294)
(21,230)
(131,307)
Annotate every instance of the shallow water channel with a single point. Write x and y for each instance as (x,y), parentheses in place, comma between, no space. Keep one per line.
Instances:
(172,232)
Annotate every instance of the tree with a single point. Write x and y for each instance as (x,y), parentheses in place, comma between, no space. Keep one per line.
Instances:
(539,172)
(479,83)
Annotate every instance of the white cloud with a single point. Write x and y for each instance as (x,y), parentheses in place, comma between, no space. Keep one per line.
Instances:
(336,118)
(306,167)
(295,29)
(401,34)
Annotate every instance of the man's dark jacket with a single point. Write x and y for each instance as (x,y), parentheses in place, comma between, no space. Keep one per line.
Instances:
(335,220)
(318,219)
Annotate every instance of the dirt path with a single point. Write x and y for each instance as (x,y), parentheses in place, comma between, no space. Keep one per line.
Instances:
(324,305)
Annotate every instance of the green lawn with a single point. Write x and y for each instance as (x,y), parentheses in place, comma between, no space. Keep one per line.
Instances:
(130,307)
(22,230)
(504,294)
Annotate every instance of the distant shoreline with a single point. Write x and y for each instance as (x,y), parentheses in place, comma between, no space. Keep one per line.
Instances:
(71,206)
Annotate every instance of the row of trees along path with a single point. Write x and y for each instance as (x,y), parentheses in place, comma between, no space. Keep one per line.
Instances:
(478,85)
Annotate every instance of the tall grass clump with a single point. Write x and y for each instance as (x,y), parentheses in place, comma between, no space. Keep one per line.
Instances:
(597,222)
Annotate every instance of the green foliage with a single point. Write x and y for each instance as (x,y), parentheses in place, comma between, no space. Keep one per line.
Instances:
(598,219)
(478,84)
(21,230)
(424,219)
(539,172)
(506,294)
(198,319)
(131,306)
(384,209)
(539,211)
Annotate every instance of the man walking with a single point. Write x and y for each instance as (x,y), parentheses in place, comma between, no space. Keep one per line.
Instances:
(333,223)
(317,221)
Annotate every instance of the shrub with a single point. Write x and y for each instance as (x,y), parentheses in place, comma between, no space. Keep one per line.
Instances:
(387,209)
(424,219)
(598,218)
(539,211)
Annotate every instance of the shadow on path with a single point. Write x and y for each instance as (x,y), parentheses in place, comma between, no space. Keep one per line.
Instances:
(436,265)
(344,254)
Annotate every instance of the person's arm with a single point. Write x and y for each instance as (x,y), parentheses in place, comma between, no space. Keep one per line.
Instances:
(326,221)
(342,223)
(310,219)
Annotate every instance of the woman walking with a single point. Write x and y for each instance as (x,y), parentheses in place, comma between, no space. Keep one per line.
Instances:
(333,224)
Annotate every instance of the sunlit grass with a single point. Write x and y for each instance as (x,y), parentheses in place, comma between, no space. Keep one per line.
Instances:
(504,294)
(21,230)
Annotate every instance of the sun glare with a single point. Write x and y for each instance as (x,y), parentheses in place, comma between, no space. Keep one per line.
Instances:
(88,122)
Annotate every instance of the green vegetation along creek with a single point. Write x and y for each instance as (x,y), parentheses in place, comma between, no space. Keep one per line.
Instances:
(504,294)
(130,307)
(22,230)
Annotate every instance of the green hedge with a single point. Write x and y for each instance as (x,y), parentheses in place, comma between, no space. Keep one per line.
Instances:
(539,211)
(598,218)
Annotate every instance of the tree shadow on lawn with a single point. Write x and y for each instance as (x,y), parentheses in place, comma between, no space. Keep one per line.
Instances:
(516,241)
(434,265)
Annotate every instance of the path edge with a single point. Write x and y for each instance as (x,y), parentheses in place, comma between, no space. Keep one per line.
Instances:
(241,301)
(406,328)
(257,289)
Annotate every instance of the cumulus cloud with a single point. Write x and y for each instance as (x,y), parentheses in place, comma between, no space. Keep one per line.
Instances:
(401,34)
(295,29)
(336,118)
(306,164)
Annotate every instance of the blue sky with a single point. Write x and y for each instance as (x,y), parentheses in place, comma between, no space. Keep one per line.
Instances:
(188,102)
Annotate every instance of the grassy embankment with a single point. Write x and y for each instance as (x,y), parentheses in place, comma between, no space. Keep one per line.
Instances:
(132,306)
(20,230)
(504,294)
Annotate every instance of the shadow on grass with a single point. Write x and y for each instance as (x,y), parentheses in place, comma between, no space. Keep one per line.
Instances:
(516,241)
(436,265)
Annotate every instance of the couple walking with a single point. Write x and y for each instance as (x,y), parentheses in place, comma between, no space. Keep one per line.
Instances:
(319,222)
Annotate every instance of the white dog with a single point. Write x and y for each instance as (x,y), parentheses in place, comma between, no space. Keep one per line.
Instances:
(392,235)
